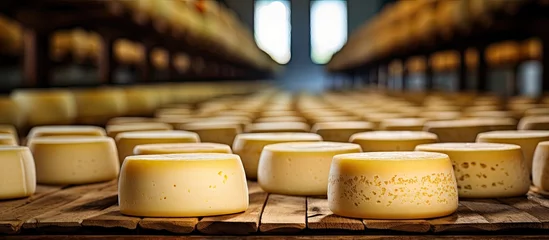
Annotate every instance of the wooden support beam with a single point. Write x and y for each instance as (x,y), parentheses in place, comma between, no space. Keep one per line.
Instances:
(545,63)
(462,71)
(37,63)
(107,63)
(482,70)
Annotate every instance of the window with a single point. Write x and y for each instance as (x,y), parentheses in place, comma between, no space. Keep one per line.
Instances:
(328,28)
(273,29)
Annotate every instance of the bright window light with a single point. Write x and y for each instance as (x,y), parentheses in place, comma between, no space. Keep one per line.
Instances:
(328,28)
(273,28)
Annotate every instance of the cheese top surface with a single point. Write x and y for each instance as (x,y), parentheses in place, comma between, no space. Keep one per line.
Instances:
(465,147)
(45,131)
(156,134)
(342,125)
(6,138)
(392,156)
(310,147)
(270,126)
(452,124)
(404,121)
(183,157)
(123,120)
(68,140)
(286,136)
(281,119)
(513,134)
(112,130)
(169,148)
(393,135)
(212,124)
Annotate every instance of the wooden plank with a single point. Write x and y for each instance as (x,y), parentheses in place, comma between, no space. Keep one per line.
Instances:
(279,237)
(12,220)
(112,218)
(464,219)
(175,225)
(417,226)
(285,214)
(71,215)
(319,216)
(41,191)
(499,213)
(240,223)
(530,207)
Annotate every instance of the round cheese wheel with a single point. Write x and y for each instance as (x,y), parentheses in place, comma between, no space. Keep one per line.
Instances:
(127,141)
(74,160)
(540,167)
(534,123)
(378,141)
(222,132)
(340,131)
(7,139)
(46,107)
(97,106)
(486,170)
(17,174)
(250,145)
(172,148)
(527,140)
(392,185)
(49,131)
(10,112)
(455,130)
(123,120)
(271,127)
(9,129)
(114,130)
(182,185)
(281,119)
(403,124)
(299,168)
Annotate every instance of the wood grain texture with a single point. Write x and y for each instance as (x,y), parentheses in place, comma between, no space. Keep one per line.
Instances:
(283,214)
(175,225)
(530,207)
(319,216)
(463,220)
(416,226)
(280,237)
(112,218)
(504,215)
(41,191)
(240,223)
(12,220)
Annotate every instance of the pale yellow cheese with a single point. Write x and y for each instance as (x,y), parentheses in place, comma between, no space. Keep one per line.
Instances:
(378,141)
(527,140)
(455,130)
(97,106)
(171,148)
(127,141)
(486,170)
(214,131)
(281,113)
(299,168)
(46,107)
(392,185)
(9,129)
(403,124)
(124,120)
(7,139)
(249,146)
(10,113)
(49,131)
(272,127)
(281,119)
(540,166)
(74,160)
(182,185)
(114,130)
(341,131)
(440,115)
(17,174)
(142,101)
(534,123)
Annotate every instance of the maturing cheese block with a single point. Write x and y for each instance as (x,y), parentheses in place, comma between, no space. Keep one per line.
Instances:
(124,120)
(97,106)
(126,142)
(379,141)
(9,129)
(527,140)
(170,148)
(340,131)
(486,170)
(281,119)
(534,123)
(222,132)
(403,124)
(74,160)
(7,139)
(49,131)
(44,107)
(540,166)
(17,174)
(455,130)
(271,127)
(10,112)
(113,130)
(250,145)
(182,185)
(299,168)
(392,185)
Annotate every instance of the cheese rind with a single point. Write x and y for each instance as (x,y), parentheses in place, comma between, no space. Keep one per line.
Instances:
(7,139)
(17,174)
(182,185)
(114,130)
(486,170)
(49,131)
(127,141)
(273,127)
(299,168)
(74,160)
(171,148)
(540,166)
(222,132)
(340,131)
(392,185)
(249,146)
(377,141)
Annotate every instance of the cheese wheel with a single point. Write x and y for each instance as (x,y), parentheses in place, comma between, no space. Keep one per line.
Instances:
(10,112)
(536,112)
(250,145)
(486,170)
(392,185)
(273,127)
(17,174)
(182,185)
(172,148)
(378,141)
(299,168)
(340,131)
(141,101)
(534,123)
(49,131)
(123,120)
(114,130)
(9,129)
(527,140)
(126,141)
(222,132)
(7,139)
(97,106)
(281,119)
(540,166)
(74,160)
(455,130)
(282,113)
(46,107)
(335,119)
(440,115)
(403,124)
